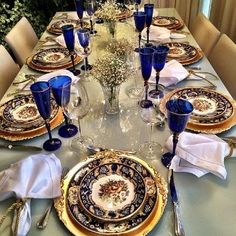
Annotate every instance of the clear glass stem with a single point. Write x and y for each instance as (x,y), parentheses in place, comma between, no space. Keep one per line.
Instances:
(79,127)
(151,133)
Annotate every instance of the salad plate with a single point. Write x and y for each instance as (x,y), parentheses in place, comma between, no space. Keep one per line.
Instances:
(170,23)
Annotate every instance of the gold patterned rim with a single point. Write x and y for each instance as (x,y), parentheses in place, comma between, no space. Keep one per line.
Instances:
(178,24)
(144,228)
(208,129)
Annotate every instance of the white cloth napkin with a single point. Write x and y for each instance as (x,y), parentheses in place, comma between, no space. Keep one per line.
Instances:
(78,48)
(199,154)
(37,176)
(158,34)
(171,74)
(50,75)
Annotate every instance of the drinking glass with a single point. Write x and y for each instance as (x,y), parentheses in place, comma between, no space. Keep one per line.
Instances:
(60,86)
(77,109)
(68,33)
(145,55)
(79,5)
(137,3)
(90,8)
(84,38)
(158,62)
(139,19)
(148,9)
(41,94)
(178,113)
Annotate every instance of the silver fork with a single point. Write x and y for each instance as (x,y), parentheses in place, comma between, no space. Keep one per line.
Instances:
(43,221)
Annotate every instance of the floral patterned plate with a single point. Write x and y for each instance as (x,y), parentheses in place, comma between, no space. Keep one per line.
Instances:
(183,53)
(112,192)
(79,222)
(21,115)
(210,107)
(52,59)
(168,22)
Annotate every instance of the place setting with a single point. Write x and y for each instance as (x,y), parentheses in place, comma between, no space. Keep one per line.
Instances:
(170,23)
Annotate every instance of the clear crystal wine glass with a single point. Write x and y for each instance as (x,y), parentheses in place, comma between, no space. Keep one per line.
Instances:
(41,94)
(68,33)
(61,86)
(78,108)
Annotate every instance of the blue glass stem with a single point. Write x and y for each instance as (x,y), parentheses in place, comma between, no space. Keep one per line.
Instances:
(148,30)
(175,141)
(146,90)
(81,23)
(139,40)
(136,7)
(157,79)
(66,118)
(72,59)
(48,127)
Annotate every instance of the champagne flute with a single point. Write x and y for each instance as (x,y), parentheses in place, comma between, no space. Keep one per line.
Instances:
(84,38)
(41,94)
(77,109)
(68,33)
(79,5)
(148,9)
(90,7)
(137,3)
(145,55)
(60,86)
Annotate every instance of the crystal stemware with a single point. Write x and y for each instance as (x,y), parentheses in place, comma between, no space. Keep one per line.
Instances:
(84,38)
(148,9)
(68,33)
(145,55)
(139,19)
(79,5)
(77,109)
(158,62)
(178,113)
(60,86)
(90,8)
(41,94)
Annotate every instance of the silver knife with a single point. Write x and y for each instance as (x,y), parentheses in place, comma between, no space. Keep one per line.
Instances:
(179,229)
(18,147)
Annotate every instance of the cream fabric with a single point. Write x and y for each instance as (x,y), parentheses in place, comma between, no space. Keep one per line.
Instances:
(8,70)
(22,40)
(223,58)
(205,33)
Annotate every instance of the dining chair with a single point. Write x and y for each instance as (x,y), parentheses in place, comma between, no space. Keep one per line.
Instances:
(223,58)
(8,70)
(22,40)
(205,33)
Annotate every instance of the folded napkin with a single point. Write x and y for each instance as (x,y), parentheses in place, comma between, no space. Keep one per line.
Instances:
(37,176)
(159,34)
(50,75)
(200,154)
(172,73)
(78,48)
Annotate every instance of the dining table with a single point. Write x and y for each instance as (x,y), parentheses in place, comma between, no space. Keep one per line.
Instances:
(207,204)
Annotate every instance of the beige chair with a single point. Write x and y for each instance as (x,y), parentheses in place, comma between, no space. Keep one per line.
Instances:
(21,40)
(205,33)
(8,70)
(223,59)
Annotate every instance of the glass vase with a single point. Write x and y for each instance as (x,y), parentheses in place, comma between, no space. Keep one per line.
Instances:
(111,96)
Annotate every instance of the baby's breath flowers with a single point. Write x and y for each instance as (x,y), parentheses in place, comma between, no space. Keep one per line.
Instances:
(108,11)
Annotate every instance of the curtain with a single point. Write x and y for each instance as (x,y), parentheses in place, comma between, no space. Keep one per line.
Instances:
(188,9)
(223,16)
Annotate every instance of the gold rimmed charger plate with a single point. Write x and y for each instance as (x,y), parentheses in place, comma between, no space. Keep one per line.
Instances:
(208,129)
(170,23)
(184,53)
(65,63)
(124,14)
(144,228)
(17,135)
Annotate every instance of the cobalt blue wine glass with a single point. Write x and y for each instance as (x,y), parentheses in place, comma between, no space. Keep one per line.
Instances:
(148,9)
(139,19)
(68,33)
(137,3)
(79,5)
(145,55)
(158,62)
(178,113)
(84,38)
(60,86)
(41,94)
(90,7)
